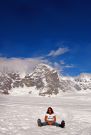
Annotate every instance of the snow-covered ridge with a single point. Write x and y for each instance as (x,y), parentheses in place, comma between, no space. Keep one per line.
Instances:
(44,80)
(85,77)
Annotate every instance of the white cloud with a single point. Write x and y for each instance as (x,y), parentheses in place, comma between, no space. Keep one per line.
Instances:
(58,67)
(62,62)
(58,52)
(27,65)
(21,65)
(69,66)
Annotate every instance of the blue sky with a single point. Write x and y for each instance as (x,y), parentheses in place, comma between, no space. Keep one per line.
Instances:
(54,31)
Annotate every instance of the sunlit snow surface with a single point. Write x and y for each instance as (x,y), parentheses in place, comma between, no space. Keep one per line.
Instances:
(18,115)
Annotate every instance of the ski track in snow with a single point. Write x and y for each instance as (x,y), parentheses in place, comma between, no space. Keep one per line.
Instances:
(18,115)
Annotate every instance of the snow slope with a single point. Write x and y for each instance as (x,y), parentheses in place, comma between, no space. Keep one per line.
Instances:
(18,115)
(43,81)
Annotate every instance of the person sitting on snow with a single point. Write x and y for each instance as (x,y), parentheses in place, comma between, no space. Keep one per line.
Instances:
(50,119)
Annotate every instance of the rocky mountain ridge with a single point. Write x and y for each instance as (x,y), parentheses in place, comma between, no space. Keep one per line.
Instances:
(45,80)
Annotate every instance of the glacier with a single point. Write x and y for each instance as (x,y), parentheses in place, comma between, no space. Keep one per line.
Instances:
(19,114)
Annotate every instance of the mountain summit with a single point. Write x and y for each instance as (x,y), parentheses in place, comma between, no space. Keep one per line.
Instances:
(44,80)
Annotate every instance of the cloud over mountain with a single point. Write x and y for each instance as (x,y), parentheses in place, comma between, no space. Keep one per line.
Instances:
(58,52)
(19,64)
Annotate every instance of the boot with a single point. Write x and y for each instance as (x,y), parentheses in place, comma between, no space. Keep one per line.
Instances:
(62,125)
(39,122)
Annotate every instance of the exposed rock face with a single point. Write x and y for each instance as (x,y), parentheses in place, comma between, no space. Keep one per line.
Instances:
(44,78)
(46,81)
(84,81)
(5,83)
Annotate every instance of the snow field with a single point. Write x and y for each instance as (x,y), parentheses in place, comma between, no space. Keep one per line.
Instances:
(18,115)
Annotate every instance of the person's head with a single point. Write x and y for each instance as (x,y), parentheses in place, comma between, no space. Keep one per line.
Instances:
(50,110)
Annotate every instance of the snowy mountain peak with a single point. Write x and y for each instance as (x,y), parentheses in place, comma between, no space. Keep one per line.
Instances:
(41,70)
(84,77)
(44,66)
(44,80)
